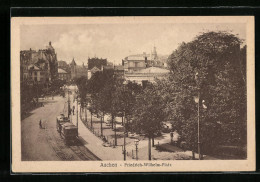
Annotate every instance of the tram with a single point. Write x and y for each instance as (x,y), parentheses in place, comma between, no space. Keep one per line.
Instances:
(69,132)
(61,119)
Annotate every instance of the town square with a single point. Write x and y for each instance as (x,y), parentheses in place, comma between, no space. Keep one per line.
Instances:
(133,92)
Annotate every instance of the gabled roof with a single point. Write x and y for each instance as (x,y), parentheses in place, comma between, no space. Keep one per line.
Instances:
(73,62)
(61,70)
(94,69)
(33,67)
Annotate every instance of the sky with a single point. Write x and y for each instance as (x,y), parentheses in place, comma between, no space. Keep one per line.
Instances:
(115,41)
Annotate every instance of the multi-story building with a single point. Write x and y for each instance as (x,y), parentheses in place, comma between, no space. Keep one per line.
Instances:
(142,68)
(45,60)
(37,74)
(63,75)
(146,75)
(138,62)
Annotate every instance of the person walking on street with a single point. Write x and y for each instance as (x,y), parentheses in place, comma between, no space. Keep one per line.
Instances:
(40,124)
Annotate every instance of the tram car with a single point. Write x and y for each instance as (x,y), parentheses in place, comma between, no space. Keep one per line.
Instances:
(61,119)
(69,132)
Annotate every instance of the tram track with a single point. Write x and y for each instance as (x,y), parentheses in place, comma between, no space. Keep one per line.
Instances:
(58,146)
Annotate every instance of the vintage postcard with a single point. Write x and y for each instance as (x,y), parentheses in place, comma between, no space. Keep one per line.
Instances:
(133,94)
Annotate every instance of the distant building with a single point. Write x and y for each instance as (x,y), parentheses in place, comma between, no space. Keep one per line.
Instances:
(77,71)
(135,62)
(138,62)
(96,62)
(63,65)
(119,70)
(32,61)
(92,71)
(37,74)
(146,75)
(63,75)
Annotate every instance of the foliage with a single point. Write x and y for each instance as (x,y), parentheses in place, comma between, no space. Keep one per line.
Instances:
(148,112)
(213,67)
(81,83)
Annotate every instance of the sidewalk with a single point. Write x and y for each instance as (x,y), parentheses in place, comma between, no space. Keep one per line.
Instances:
(94,143)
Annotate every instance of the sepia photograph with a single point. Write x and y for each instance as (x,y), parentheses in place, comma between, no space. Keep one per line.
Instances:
(132,94)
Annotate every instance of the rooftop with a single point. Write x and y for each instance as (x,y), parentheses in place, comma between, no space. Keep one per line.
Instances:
(155,70)
(61,71)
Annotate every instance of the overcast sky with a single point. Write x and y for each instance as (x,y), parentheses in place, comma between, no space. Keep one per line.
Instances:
(115,41)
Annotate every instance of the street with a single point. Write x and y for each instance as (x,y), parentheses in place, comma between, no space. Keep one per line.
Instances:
(46,144)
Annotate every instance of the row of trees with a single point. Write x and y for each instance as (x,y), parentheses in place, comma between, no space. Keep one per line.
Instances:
(210,70)
(31,91)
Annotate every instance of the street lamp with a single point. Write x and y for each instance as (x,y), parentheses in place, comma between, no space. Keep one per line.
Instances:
(136,144)
(124,151)
(197,100)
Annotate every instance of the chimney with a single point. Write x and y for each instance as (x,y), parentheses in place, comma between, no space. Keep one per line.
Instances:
(50,43)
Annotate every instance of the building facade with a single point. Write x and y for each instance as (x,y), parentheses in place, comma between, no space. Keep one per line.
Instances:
(135,63)
(146,75)
(42,62)
(63,75)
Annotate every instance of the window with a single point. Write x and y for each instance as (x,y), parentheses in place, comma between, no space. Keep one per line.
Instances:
(136,64)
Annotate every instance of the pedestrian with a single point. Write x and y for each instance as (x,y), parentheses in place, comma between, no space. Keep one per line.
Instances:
(40,124)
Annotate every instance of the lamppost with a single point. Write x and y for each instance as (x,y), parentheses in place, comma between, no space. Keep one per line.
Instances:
(136,149)
(124,151)
(68,104)
(197,100)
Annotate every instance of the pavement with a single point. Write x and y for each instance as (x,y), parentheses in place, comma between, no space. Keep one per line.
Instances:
(95,144)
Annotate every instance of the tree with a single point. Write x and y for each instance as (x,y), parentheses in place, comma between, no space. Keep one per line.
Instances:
(81,83)
(148,115)
(100,86)
(211,67)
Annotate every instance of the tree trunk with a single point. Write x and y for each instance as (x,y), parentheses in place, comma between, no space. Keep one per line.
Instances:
(149,149)
(91,119)
(153,141)
(101,127)
(115,130)
(193,155)
(112,122)
(126,120)
(86,114)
